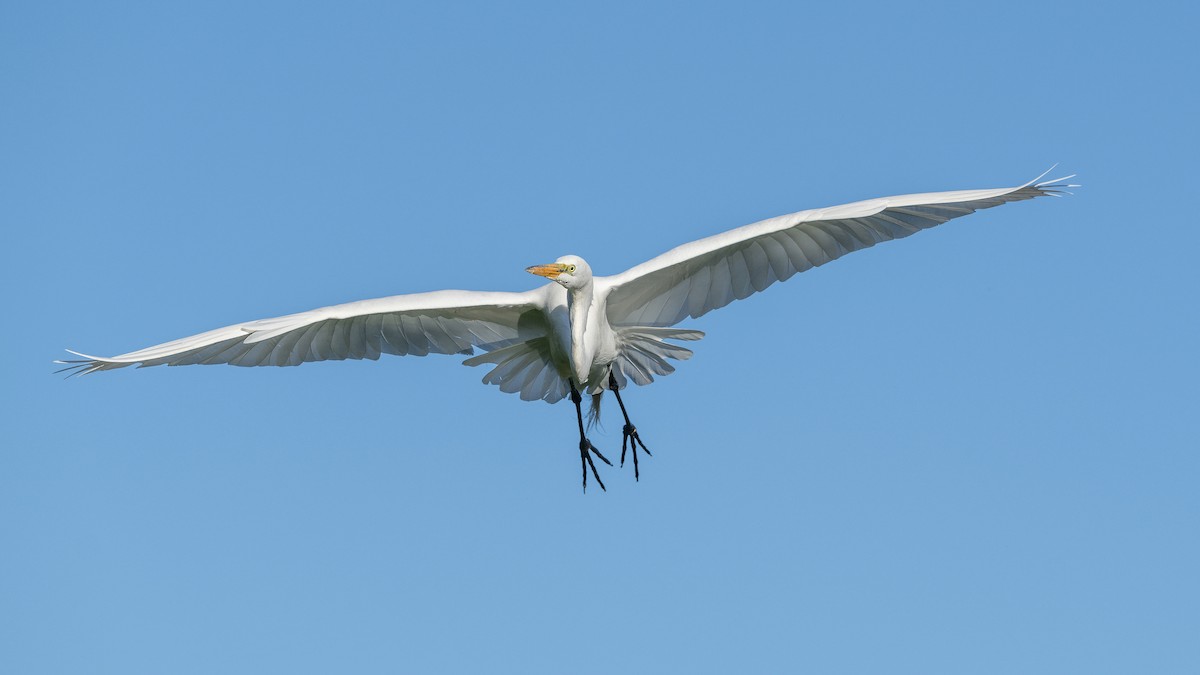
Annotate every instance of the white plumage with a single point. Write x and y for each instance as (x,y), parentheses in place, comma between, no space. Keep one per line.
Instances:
(688,281)
(579,330)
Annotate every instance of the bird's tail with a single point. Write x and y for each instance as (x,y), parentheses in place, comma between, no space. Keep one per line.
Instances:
(593,414)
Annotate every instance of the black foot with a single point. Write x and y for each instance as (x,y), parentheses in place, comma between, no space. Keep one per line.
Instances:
(629,434)
(586,450)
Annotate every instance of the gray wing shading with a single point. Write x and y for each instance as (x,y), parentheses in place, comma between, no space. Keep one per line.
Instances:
(442,322)
(643,351)
(526,368)
(707,274)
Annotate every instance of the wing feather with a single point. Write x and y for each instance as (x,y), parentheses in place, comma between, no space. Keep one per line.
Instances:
(443,322)
(322,343)
(701,283)
(758,265)
(696,278)
(777,257)
(393,335)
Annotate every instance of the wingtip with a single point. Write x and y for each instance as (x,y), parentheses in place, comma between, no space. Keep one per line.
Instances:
(85,365)
(1040,176)
(82,355)
(1058,182)
(1055,187)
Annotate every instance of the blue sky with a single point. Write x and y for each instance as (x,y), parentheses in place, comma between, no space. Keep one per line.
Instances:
(973,450)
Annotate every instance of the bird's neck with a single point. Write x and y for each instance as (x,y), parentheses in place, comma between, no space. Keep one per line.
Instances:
(579,303)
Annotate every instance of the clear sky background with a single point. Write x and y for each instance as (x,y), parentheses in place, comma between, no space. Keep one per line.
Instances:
(973,450)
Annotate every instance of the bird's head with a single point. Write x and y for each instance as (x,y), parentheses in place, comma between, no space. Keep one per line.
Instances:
(570,271)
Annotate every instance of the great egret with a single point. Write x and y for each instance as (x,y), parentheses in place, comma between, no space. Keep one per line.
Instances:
(580,332)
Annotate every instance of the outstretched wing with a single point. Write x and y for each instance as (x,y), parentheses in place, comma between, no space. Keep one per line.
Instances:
(707,274)
(442,322)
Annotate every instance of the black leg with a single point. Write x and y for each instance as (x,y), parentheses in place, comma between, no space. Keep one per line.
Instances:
(586,449)
(629,433)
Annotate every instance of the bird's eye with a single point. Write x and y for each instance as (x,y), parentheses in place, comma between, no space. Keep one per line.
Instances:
(570,269)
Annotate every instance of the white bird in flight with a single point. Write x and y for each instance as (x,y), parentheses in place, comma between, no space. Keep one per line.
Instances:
(579,333)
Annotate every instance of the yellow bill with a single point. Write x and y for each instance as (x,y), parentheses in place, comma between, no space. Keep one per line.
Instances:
(549,271)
